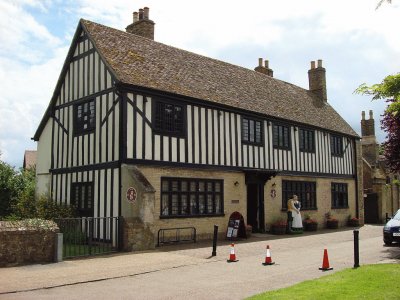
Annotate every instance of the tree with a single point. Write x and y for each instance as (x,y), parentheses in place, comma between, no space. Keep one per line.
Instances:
(7,188)
(388,89)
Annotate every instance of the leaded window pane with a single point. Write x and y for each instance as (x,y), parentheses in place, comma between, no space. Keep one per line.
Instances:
(191,197)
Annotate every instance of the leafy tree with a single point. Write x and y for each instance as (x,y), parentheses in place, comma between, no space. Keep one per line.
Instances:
(388,89)
(391,124)
(7,188)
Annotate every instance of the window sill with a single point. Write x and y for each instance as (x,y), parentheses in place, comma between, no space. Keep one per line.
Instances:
(192,216)
(340,207)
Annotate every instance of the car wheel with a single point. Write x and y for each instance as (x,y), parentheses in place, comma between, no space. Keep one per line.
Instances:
(387,242)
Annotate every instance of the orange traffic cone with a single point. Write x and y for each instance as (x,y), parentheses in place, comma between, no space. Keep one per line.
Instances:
(232,256)
(268,259)
(325,262)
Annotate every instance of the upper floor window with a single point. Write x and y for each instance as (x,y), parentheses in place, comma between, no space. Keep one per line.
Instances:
(339,195)
(82,195)
(169,118)
(306,140)
(281,136)
(84,117)
(251,131)
(189,197)
(336,145)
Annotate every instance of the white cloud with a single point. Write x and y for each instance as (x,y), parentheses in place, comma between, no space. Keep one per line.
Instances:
(357,43)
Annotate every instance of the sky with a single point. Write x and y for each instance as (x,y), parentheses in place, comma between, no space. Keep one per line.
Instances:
(357,43)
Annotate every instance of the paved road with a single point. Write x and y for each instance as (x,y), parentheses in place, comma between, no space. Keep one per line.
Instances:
(188,272)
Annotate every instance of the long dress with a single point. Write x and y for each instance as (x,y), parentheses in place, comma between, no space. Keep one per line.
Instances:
(297,222)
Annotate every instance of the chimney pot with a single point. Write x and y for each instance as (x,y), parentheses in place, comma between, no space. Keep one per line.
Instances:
(319,63)
(363,115)
(135,17)
(312,64)
(146,13)
(371,114)
(260,62)
(266,63)
(141,14)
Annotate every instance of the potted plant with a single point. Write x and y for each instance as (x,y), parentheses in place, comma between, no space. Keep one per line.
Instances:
(279,227)
(353,222)
(310,224)
(331,222)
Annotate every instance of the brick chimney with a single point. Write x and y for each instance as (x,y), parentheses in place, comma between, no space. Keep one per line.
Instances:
(264,68)
(142,25)
(368,139)
(317,80)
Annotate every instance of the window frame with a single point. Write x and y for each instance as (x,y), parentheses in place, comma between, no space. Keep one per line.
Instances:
(80,122)
(300,188)
(276,136)
(246,134)
(160,122)
(185,198)
(339,189)
(85,209)
(304,140)
(337,145)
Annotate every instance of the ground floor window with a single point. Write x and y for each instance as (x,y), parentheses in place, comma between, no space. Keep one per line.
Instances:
(305,190)
(82,198)
(339,195)
(191,197)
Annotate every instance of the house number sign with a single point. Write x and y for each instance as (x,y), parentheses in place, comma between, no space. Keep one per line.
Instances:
(131,195)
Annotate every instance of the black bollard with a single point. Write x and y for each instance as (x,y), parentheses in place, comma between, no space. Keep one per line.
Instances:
(214,252)
(356,249)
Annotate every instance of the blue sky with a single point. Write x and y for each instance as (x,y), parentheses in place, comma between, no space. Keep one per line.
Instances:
(356,43)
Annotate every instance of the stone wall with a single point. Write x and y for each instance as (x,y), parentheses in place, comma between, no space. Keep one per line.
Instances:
(27,241)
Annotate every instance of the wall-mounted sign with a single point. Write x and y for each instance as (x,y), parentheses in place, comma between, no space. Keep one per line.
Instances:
(131,195)
(273,193)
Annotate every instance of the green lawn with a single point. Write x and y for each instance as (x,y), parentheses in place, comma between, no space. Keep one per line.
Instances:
(367,282)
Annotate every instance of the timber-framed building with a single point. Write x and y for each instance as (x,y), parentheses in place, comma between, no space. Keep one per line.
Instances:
(196,138)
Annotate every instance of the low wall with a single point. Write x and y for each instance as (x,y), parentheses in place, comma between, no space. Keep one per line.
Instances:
(27,241)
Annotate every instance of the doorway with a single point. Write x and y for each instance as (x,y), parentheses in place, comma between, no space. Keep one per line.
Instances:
(255,206)
(255,181)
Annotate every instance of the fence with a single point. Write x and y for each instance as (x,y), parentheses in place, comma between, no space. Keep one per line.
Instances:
(90,236)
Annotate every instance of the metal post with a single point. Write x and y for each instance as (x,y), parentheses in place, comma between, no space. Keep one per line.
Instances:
(214,252)
(356,249)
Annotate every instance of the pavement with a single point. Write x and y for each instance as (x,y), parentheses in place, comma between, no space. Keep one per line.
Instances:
(186,260)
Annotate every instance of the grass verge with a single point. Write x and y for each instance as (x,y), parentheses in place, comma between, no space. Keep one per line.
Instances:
(367,282)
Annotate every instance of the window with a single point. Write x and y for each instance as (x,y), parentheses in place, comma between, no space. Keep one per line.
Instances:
(82,198)
(306,140)
(85,117)
(281,136)
(336,145)
(169,118)
(339,195)
(305,190)
(187,197)
(251,131)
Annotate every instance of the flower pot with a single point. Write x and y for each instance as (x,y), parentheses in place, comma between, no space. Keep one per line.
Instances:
(332,224)
(310,226)
(278,229)
(353,223)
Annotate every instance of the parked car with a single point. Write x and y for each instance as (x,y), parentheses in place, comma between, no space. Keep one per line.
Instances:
(391,231)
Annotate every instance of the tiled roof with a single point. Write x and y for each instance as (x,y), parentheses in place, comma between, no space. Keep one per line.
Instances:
(146,63)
